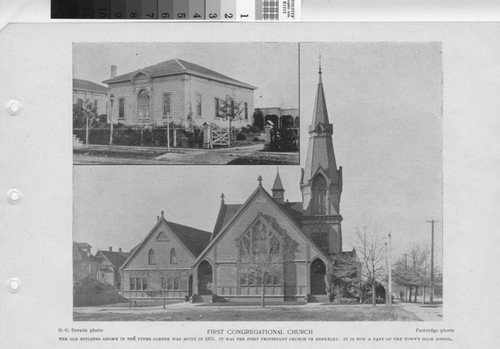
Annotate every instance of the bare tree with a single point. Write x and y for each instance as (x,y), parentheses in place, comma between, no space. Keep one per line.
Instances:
(415,273)
(263,254)
(370,249)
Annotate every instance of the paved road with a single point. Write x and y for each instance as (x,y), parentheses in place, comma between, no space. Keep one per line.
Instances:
(425,312)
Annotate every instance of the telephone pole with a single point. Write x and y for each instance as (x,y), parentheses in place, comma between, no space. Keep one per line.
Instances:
(432,221)
(390,271)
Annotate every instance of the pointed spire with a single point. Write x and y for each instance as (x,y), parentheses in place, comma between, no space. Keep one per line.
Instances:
(320,114)
(277,182)
(278,190)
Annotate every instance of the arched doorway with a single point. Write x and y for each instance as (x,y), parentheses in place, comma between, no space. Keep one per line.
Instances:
(143,100)
(318,272)
(205,279)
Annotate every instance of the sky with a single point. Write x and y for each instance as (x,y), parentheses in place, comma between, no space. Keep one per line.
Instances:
(385,102)
(268,66)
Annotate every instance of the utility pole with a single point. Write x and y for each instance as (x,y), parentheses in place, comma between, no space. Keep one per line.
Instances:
(390,271)
(406,270)
(432,221)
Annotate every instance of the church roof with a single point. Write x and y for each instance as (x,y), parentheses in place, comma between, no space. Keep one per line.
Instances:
(226,212)
(85,85)
(178,66)
(194,239)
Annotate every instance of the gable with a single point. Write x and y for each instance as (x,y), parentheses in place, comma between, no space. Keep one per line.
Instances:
(162,239)
(260,204)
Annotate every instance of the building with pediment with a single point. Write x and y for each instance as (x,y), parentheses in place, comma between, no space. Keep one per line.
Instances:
(305,236)
(177,91)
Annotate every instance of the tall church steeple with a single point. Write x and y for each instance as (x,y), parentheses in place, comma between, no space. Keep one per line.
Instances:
(321,181)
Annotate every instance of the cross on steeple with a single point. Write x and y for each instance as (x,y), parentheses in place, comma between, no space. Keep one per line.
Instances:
(260,180)
(222,196)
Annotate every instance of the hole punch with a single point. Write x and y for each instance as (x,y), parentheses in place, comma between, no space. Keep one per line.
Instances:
(14,285)
(14,107)
(14,196)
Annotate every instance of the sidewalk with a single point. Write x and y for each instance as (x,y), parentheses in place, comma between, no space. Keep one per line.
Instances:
(425,312)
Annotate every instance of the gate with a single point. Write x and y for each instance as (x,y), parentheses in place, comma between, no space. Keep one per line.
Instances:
(221,137)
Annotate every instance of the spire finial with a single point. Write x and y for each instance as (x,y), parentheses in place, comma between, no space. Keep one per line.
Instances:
(222,196)
(162,213)
(260,180)
(319,57)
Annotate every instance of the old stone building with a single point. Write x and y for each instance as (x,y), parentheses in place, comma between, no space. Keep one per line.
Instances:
(290,245)
(177,91)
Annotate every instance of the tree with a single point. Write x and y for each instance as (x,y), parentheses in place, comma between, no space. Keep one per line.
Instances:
(415,273)
(370,249)
(264,250)
(230,109)
(258,119)
(343,277)
(85,115)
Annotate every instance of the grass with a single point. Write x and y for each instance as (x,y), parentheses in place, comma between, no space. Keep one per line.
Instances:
(243,313)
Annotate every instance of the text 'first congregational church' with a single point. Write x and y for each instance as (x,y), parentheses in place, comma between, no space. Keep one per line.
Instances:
(287,246)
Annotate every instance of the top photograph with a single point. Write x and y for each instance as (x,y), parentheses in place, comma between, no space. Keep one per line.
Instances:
(186,104)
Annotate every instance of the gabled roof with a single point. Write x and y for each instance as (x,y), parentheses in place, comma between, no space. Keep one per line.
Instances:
(179,66)
(226,213)
(195,240)
(260,190)
(85,85)
(115,258)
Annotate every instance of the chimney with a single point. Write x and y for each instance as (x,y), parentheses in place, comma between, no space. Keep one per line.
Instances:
(113,71)
(120,249)
(110,248)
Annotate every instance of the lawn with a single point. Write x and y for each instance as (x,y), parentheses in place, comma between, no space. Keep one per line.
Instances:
(244,313)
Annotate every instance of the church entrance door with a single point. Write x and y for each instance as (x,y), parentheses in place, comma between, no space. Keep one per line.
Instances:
(205,279)
(318,272)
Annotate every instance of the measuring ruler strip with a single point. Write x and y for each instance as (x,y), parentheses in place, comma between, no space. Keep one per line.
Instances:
(215,10)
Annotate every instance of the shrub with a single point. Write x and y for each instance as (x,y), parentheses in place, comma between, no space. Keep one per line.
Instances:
(240,137)
(284,139)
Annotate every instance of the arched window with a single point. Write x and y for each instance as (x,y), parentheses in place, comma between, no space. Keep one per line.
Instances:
(173,256)
(151,257)
(261,250)
(318,201)
(143,99)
